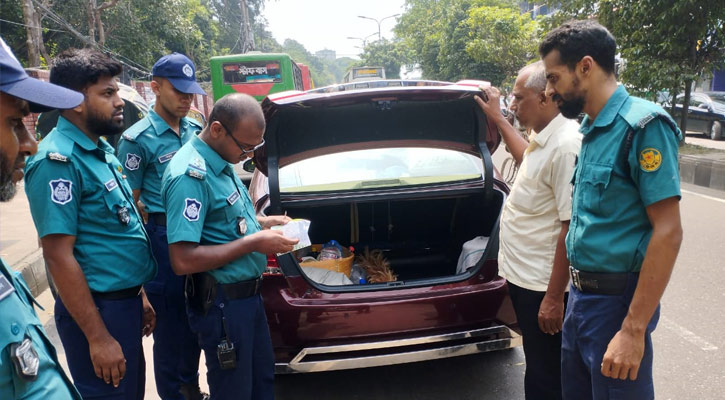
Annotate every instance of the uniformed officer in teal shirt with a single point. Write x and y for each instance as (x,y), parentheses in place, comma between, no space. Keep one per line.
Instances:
(93,239)
(215,237)
(625,229)
(145,150)
(29,367)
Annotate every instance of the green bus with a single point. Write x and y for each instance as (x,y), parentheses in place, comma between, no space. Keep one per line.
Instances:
(257,74)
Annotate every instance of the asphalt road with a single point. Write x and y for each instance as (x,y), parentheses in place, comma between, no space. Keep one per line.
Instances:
(689,344)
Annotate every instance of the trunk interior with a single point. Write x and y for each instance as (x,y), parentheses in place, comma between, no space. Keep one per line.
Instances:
(420,238)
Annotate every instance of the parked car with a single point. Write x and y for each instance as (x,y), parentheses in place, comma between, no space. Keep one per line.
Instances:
(402,170)
(706,113)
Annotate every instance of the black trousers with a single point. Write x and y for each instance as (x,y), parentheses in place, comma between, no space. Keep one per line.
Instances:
(541,350)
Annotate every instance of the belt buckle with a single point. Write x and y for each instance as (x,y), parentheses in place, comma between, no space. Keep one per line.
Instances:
(575,278)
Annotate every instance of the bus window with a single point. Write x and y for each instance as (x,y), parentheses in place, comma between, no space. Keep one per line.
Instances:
(254,73)
(364,74)
(297,74)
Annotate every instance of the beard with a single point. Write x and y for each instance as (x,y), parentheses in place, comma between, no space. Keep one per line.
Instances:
(102,126)
(572,106)
(7,186)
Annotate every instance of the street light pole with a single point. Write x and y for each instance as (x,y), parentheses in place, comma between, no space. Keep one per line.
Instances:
(378,21)
(363,40)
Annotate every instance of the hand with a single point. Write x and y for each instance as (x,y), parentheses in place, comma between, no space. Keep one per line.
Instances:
(149,315)
(273,220)
(272,242)
(551,314)
(142,210)
(623,356)
(108,360)
(490,102)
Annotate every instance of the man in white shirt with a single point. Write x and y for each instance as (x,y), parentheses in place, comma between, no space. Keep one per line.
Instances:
(534,223)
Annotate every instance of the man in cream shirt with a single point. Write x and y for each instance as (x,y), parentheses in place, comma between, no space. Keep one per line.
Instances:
(534,223)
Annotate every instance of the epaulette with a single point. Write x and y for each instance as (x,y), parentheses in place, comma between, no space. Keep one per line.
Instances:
(56,148)
(194,122)
(196,168)
(55,156)
(640,112)
(136,129)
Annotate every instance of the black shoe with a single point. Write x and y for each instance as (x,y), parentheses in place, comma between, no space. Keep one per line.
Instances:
(191,391)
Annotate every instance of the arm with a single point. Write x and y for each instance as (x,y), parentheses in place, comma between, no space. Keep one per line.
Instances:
(106,354)
(492,109)
(551,311)
(190,257)
(140,205)
(624,352)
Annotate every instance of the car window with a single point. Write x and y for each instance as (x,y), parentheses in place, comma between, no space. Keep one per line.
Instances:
(719,97)
(371,168)
(696,101)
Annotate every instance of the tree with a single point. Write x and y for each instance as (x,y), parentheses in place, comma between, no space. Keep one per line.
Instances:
(665,43)
(34,31)
(389,54)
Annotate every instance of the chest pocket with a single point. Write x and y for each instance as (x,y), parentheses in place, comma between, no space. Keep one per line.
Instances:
(16,314)
(594,181)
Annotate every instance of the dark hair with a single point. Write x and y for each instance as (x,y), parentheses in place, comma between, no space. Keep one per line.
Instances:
(577,39)
(233,108)
(79,68)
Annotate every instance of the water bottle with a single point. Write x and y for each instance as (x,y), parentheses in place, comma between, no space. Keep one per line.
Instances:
(357,275)
(330,251)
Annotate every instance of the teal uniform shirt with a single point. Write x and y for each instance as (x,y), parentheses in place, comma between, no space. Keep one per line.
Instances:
(19,321)
(609,229)
(76,187)
(206,203)
(145,150)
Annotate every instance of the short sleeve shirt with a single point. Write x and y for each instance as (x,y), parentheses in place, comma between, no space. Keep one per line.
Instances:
(145,150)
(76,187)
(19,321)
(610,229)
(206,203)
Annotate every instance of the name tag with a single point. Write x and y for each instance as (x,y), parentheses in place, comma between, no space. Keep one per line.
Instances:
(5,287)
(166,157)
(110,185)
(233,198)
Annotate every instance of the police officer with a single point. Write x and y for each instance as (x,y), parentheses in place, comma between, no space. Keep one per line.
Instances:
(625,229)
(215,237)
(29,367)
(145,150)
(93,239)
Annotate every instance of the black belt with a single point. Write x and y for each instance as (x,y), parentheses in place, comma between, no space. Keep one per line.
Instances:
(158,218)
(201,290)
(241,290)
(599,282)
(119,294)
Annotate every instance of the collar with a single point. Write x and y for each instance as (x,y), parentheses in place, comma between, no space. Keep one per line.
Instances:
(610,110)
(161,126)
(213,160)
(72,132)
(554,125)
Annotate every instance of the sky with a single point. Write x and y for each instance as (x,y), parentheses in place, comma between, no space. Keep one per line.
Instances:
(326,24)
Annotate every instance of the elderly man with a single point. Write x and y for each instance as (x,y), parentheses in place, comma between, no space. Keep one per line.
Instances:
(29,368)
(625,227)
(534,224)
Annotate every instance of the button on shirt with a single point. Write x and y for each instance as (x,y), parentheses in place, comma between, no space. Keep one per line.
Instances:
(76,187)
(19,321)
(145,150)
(539,200)
(206,203)
(610,230)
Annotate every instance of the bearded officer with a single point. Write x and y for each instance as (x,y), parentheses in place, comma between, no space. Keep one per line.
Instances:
(145,150)
(29,367)
(215,237)
(93,241)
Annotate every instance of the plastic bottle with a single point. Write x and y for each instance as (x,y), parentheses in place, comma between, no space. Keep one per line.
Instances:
(330,251)
(357,275)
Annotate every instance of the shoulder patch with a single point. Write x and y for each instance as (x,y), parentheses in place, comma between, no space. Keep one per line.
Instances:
(132,161)
(61,191)
(55,156)
(192,208)
(650,159)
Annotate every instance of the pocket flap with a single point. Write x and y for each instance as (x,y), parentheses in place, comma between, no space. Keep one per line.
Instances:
(598,174)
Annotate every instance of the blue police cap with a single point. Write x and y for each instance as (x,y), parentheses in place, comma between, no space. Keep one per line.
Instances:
(180,71)
(41,96)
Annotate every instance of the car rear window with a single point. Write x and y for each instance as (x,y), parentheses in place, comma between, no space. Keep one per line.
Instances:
(379,168)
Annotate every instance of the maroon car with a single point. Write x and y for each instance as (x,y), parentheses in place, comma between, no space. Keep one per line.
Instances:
(403,172)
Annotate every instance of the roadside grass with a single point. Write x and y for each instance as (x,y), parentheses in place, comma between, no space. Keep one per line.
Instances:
(693,149)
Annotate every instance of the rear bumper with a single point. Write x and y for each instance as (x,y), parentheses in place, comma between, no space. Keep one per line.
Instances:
(400,351)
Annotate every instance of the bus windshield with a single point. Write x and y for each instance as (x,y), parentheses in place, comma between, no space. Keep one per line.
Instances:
(356,74)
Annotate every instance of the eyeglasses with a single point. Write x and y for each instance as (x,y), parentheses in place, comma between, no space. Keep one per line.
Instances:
(241,147)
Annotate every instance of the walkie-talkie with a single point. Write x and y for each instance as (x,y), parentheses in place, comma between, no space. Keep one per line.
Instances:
(225,351)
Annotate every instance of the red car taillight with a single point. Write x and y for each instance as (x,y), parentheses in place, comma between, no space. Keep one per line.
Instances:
(272,266)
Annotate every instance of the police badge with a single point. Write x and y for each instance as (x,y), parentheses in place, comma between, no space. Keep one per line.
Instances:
(25,359)
(60,191)
(123,216)
(132,161)
(242,225)
(192,207)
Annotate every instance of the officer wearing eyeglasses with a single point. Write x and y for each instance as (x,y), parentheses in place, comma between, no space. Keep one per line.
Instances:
(145,150)
(216,240)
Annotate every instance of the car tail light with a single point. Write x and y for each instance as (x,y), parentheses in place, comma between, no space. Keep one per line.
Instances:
(272,266)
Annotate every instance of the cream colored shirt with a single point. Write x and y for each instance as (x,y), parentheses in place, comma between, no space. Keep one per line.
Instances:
(539,201)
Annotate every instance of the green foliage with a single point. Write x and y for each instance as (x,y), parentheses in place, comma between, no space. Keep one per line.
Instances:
(388,54)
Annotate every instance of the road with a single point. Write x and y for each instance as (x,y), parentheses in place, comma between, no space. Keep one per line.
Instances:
(689,345)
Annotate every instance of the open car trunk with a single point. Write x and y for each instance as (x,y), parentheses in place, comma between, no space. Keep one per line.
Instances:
(421,238)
